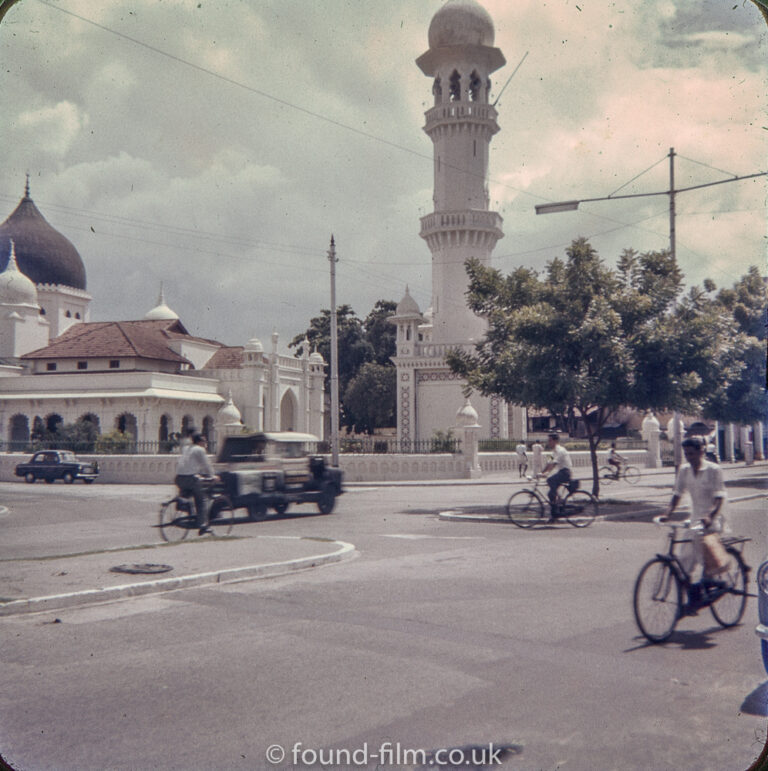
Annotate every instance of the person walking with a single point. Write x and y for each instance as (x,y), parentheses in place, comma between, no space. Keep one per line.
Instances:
(193,466)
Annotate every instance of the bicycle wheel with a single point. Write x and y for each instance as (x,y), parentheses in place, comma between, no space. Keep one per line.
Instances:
(606,475)
(729,608)
(222,515)
(525,509)
(632,475)
(579,508)
(175,525)
(658,600)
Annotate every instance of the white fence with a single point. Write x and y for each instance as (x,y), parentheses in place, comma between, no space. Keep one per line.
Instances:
(160,469)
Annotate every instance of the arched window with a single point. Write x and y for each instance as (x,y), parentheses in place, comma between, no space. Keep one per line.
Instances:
(52,423)
(475,88)
(187,424)
(207,429)
(127,424)
(164,429)
(437,91)
(89,417)
(289,408)
(19,431)
(455,92)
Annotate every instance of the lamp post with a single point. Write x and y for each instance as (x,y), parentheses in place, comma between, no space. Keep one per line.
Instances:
(334,360)
(561,206)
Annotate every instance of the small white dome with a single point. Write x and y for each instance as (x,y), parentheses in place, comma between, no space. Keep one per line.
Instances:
(15,287)
(461,22)
(254,345)
(228,414)
(161,312)
(407,306)
(317,357)
(466,415)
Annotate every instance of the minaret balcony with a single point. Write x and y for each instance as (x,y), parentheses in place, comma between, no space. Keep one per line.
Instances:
(461,112)
(468,220)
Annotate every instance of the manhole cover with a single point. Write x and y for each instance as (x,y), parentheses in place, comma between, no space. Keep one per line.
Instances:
(147,567)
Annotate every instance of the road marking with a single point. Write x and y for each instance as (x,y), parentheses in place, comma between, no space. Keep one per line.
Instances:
(418,537)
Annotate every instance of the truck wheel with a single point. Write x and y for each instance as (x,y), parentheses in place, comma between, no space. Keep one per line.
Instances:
(327,499)
(68,478)
(29,477)
(257,511)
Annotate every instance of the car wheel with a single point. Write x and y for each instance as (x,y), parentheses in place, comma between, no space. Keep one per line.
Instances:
(68,478)
(30,478)
(327,499)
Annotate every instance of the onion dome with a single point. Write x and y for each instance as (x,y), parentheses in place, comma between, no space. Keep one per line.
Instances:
(44,255)
(161,312)
(407,306)
(254,345)
(228,415)
(15,287)
(466,415)
(461,22)
(650,423)
(316,357)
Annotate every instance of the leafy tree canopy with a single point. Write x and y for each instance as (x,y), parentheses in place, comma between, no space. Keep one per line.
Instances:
(370,398)
(583,339)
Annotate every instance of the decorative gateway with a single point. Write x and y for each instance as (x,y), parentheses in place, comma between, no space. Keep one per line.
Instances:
(272,470)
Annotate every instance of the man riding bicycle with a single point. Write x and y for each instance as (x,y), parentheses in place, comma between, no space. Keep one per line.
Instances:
(615,460)
(704,482)
(193,467)
(561,461)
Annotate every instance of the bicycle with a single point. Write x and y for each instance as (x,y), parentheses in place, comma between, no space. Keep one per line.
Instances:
(664,582)
(529,507)
(178,516)
(608,474)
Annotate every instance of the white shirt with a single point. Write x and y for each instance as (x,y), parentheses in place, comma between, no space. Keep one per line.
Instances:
(705,488)
(561,457)
(520,450)
(194,461)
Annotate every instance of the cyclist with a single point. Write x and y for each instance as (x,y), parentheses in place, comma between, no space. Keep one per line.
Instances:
(704,482)
(193,466)
(561,461)
(615,460)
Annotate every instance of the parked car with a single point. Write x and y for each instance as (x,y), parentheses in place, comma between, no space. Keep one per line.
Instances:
(51,465)
(762,606)
(273,470)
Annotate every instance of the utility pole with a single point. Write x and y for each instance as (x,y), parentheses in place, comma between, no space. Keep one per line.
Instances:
(334,360)
(561,206)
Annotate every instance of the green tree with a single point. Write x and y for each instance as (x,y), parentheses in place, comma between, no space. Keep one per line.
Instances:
(370,398)
(744,399)
(583,340)
(354,349)
(380,332)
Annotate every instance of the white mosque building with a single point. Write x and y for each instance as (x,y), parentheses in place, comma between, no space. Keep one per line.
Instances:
(460,60)
(147,378)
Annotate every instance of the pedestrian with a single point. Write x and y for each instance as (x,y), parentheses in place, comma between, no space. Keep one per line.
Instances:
(522,459)
(538,458)
(192,468)
(703,481)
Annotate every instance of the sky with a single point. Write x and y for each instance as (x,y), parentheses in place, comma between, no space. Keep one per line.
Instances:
(216,146)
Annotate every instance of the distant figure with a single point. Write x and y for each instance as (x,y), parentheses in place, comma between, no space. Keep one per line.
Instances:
(711,454)
(562,465)
(615,460)
(538,458)
(522,459)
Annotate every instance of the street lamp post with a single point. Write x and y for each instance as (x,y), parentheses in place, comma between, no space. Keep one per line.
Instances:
(334,360)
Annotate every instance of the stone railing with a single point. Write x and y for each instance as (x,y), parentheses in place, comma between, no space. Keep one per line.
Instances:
(508,461)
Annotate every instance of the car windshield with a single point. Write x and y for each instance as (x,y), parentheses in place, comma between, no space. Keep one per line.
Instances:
(242,448)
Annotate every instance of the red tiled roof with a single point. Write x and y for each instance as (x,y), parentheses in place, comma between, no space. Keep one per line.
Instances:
(147,339)
(227,357)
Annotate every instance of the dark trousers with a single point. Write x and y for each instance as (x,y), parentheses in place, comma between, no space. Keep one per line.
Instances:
(561,477)
(190,484)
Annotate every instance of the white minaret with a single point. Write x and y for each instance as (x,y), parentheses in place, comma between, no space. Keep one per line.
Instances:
(460,59)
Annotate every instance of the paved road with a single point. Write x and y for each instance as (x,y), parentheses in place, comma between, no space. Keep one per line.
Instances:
(440,634)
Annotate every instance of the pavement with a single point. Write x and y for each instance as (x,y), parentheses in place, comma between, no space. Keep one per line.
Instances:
(59,581)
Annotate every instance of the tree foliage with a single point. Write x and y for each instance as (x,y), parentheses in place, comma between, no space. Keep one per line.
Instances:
(583,339)
(370,399)
(371,341)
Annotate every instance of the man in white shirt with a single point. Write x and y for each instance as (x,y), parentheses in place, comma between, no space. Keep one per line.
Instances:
(522,459)
(191,467)
(561,461)
(704,482)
